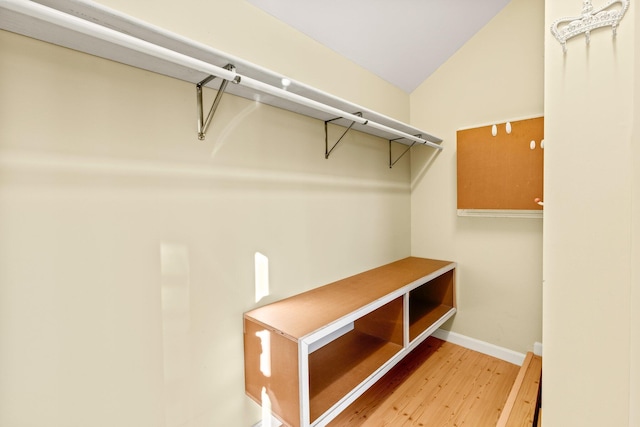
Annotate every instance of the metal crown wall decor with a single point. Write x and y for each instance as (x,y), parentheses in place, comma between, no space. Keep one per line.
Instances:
(608,15)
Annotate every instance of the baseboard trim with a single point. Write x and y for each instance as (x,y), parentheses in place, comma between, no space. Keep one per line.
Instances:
(273,423)
(537,348)
(481,346)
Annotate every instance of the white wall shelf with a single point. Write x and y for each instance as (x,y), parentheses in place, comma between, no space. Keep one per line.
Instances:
(92,28)
(501,213)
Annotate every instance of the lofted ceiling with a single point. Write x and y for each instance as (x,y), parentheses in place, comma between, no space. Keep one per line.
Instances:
(401,41)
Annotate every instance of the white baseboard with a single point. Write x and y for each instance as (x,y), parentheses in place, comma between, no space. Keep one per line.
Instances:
(537,348)
(480,346)
(274,423)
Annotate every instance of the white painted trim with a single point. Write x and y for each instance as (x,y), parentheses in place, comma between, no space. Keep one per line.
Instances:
(502,121)
(537,348)
(373,306)
(431,329)
(405,320)
(303,383)
(358,391)
(480,346)
(274,423)
(351,317)
(330,337)
(501,213)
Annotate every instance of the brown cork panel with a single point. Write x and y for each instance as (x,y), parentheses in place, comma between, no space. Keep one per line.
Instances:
(502,171)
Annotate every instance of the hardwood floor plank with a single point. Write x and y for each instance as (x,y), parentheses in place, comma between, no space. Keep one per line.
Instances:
(515,389)
(524,410)
(382,392)
(424,388)
(483,404)
(438,384)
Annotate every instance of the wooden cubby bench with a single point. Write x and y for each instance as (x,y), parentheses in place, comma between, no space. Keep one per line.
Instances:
(311,355)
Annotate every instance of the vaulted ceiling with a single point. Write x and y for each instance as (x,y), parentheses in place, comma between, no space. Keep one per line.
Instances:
(401,41)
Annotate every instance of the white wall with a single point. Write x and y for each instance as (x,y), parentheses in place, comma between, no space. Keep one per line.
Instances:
(591,286)
(127,248)
(495,77)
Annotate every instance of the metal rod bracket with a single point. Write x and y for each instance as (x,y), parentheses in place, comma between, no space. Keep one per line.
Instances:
(203,124)
(327,150)
(393,162)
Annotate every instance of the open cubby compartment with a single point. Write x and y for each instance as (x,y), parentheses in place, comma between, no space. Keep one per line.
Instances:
(429,302)
(339,366)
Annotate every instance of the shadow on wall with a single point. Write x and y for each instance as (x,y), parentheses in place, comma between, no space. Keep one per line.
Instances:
(425,167)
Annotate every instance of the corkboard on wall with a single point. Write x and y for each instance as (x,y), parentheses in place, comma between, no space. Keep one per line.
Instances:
(501,172)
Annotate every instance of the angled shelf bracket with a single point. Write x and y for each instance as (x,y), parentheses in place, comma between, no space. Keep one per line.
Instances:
(328,150)
(87,26)
(203,124)
(393,162)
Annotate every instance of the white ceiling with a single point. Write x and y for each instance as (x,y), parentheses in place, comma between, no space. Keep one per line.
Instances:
(401,41)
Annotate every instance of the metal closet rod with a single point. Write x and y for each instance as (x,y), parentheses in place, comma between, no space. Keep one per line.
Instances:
(47,14)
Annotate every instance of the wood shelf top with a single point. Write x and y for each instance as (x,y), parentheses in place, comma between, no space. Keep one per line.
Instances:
(303,314)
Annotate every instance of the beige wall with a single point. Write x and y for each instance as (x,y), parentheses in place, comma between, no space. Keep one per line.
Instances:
(634,320)
(127,248)
(590,230)
(495,77)
(238,27)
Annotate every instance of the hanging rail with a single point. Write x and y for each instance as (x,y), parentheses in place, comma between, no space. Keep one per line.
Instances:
(80,25)
(47,14)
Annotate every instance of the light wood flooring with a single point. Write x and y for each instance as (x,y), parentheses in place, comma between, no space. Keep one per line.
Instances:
(439,384)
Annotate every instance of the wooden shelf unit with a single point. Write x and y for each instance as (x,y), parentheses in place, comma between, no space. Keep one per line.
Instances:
(429,302)
(313,354)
